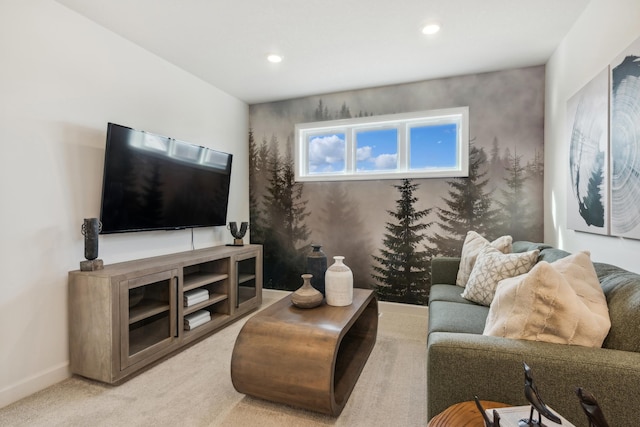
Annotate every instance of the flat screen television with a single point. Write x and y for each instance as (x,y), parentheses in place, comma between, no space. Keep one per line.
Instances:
(153,182)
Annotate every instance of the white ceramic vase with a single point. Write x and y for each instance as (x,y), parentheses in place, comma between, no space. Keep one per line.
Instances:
(338,283)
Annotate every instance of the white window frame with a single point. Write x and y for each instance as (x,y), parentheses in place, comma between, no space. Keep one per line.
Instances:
(403,123)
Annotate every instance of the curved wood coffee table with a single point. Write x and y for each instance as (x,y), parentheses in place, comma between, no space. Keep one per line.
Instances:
(309,358)
(464,414)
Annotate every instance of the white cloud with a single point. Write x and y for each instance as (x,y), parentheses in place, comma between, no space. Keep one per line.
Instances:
(324,152)
(363,154)
(386,161)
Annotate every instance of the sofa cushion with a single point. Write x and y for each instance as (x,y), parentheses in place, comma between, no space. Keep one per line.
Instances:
(473,244)
(492,266)
(622,290)
(560,302)
(525,246)
(552,254)
(446,316)
(449,293)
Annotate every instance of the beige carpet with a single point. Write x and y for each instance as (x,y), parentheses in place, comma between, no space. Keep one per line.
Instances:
(193,388)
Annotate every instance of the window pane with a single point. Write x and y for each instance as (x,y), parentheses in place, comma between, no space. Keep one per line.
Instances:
(433,146)
(377,150)
(327,153)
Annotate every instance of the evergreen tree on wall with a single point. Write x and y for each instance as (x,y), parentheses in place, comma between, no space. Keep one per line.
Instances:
(533,188)
(402,272)
(322,112)
(256,168)
(468,208)
(344,112)
(515,213)
(284,212)
(343,232)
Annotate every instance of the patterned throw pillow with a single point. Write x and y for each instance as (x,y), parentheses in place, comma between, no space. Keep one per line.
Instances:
(473,244)
(491,267)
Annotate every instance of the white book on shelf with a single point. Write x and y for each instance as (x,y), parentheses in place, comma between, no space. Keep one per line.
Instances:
(192,325)
(196,292)
(188,302)
(196,315)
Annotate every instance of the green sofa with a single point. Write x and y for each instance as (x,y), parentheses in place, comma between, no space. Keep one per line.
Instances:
(461,362)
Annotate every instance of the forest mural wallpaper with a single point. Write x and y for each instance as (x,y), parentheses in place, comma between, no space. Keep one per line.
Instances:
(389,230)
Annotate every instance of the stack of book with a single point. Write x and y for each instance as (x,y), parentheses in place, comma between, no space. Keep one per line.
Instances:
(195,319)
(195,296)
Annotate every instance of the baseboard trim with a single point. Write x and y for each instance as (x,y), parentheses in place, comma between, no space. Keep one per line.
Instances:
(34,383)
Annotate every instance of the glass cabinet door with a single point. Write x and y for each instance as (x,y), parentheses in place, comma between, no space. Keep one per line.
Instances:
(148,316)
(246,269)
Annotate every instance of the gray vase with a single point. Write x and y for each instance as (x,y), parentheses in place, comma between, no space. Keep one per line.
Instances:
(317,266)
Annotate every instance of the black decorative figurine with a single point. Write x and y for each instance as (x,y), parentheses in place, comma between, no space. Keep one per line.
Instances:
(238,234)
(91,227)
(591,408)
(533,396)
(485,417)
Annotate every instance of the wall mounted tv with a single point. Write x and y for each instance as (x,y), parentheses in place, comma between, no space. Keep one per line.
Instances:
(153,182)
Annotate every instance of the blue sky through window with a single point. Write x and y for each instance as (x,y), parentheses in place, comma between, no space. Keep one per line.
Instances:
(433,146)
(377,150)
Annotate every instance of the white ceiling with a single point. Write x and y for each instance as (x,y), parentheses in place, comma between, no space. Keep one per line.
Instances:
(334,45)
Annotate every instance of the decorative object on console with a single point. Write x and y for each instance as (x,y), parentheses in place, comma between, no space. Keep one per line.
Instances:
(485,417)
(238,234)
(317,266)
(91,227)
(591,408)
(533,396)
(306,296)
(338,282)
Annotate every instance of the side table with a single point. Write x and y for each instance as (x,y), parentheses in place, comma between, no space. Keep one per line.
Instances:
(464,414)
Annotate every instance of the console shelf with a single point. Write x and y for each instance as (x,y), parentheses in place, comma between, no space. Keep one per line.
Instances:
(131,314)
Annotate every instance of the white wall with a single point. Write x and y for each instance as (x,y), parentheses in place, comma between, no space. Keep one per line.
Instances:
(604,29)
(62,78)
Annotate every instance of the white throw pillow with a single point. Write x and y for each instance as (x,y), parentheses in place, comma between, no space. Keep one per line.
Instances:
(491,267)
(560,302)
(473,244)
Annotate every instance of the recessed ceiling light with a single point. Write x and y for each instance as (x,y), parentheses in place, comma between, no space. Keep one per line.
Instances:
(430,29)
(274,58)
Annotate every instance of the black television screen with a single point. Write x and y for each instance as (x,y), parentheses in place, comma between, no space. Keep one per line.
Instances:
(153,182)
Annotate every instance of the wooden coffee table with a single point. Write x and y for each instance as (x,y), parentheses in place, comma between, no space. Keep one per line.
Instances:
(464,414)
(308,358)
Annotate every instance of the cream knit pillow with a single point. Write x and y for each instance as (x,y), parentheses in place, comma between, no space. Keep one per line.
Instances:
(491,267)
(473,244)
(560,302)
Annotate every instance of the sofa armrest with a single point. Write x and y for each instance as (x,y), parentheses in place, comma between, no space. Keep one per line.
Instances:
(463,365)
(444,270)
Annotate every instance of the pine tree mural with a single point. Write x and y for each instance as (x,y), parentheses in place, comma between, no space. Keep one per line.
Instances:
(256,168)
(322,112)
(344,233)
(468,208)
(515,212)
(402,272)
(284,213)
